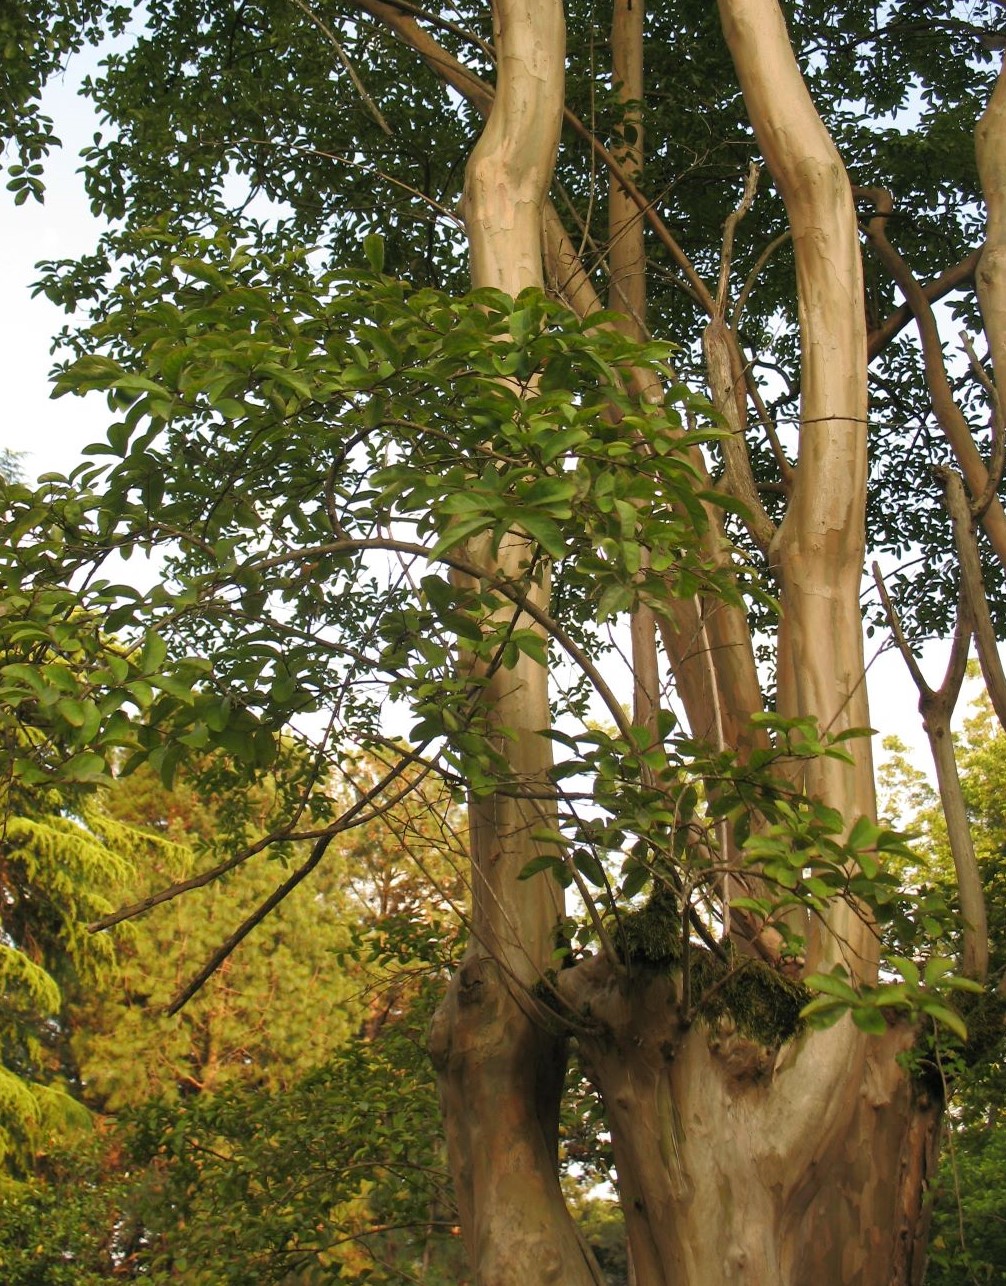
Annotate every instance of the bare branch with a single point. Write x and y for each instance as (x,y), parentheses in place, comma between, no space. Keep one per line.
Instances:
(350,818)
(971,577)
(729,397)
(730,231)
(948,413)
(256,918)
(959,275)
(937,707)
(755,273)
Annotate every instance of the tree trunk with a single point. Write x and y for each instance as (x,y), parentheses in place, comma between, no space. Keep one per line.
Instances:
(743,1157)
(990,279)
(743,1163)
(501,1069)
(819,549)
(744,1154)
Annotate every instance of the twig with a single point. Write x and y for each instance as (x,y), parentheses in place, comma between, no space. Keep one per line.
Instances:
(341,54)
(729,232)
(997,460)
(349,819)
(962,523)
(755,273)
(480,574)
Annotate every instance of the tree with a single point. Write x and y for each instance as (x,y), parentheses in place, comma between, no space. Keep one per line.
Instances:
(266,1018)
(967,1215)
(55,875)
(362,482)
(280,1122)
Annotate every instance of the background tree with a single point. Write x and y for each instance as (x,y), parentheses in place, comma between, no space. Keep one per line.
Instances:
(372,489)
(54,877)
(968,1211)
(282,1120)
(268,1016)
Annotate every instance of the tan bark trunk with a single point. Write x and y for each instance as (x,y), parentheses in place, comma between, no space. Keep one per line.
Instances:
(737,1162)
(990,278)
(500,1072)
(626,251)
(740,1163)
(820,546)
(627,295)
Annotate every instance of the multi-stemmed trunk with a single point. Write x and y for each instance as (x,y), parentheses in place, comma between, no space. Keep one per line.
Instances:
(740,1159)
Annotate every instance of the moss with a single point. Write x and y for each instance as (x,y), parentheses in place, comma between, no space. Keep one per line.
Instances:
(764,1005)
(651,936)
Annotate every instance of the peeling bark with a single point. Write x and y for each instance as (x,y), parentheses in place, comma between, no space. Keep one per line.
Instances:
(741,1162)
(739,1159)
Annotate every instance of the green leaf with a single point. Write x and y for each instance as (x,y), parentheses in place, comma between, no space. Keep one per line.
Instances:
(543,862)
(870,1021)
(863,834)
(908,969)
(946,1017)
(153,654)
(72,710)
(589,867)
(831,984)
(823,1011)
(459,531)
(635,880)
(545,531)
(86,767)
(373,248)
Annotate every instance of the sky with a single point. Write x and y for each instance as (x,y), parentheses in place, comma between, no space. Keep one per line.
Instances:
(51,434)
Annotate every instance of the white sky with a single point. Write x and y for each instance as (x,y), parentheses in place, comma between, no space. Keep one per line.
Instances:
(51,434)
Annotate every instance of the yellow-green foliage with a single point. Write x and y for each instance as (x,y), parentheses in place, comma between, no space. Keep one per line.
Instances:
(278,1005)
(55,875)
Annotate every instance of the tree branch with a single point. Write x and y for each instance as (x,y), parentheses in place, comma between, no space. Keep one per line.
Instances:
(255,919)
(962,521)
(948,413)
(960,274)
(937,707)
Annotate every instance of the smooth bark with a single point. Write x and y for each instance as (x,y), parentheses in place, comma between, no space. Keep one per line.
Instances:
(500,1070)
(948,414)
(711,1129)
(990,277)
(745,1163)
(936,705)
(819,548)
(738,1161)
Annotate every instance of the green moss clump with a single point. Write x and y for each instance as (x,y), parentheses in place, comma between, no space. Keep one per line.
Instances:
(764,1005)
(651,936)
